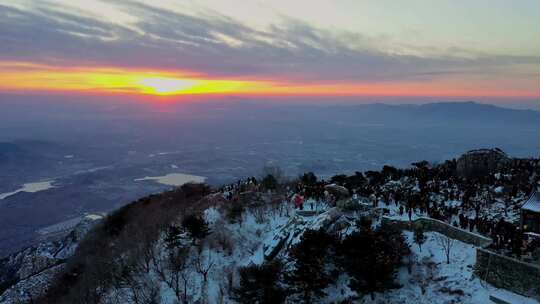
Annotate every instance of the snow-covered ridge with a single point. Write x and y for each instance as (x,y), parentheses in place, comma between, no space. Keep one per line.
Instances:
(28,273)
(199,249)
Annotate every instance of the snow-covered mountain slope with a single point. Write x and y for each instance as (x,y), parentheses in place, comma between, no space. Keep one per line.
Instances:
(294,242)
(27,274)
(248,241)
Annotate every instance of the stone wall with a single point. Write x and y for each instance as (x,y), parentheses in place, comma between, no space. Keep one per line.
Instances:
(500,271)
(429,224)
(508,273)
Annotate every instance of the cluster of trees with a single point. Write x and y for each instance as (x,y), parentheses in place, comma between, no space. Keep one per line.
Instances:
(118,254)
(517,175)
(425,188)
(370,258)
(180,261)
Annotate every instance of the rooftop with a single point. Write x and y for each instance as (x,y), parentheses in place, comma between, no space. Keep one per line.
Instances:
(487,151)
(533,203)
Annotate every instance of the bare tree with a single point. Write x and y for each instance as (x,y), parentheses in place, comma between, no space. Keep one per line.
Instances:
(229,282)
(178,263)
(187,283)
(173,269)
(446,244)
(203,264)
(143,289)
(144,250)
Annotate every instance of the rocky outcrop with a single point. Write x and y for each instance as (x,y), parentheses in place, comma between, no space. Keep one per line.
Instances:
(291,232)
(26,274)
(25,291)
(481,162)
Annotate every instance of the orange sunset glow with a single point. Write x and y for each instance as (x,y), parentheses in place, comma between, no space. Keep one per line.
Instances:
(36,77)
(25,76)
(269,151)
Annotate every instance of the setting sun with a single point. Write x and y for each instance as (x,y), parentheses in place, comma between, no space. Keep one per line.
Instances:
(23,76)
(166,86)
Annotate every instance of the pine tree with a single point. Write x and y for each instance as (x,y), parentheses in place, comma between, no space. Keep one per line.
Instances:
(261,284)
(311,274)
(371,258)
(172,237)
(196,226)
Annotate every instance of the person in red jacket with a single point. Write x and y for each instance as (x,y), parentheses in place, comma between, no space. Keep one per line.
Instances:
(299,202)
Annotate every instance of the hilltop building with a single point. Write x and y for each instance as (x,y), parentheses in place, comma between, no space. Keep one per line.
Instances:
(530,214)
(481,162)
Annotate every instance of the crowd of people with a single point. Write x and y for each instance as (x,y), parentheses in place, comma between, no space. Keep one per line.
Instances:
(424,190)
(471,210)
(231,191)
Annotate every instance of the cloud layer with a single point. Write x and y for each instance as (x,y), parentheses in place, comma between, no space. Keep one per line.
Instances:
(218,46)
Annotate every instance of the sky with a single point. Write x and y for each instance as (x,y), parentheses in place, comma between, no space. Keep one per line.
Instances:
(437,48)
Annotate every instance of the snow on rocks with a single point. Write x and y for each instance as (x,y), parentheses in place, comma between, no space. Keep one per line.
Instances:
(290,233)
(30,288)
(32,269)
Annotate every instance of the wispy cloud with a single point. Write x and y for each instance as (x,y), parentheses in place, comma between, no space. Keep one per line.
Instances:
(218,46)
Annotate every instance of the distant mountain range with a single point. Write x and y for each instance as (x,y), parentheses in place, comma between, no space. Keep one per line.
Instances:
(446,112)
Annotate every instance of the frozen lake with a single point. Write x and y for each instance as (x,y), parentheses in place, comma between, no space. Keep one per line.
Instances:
(29,187)
(174,179)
